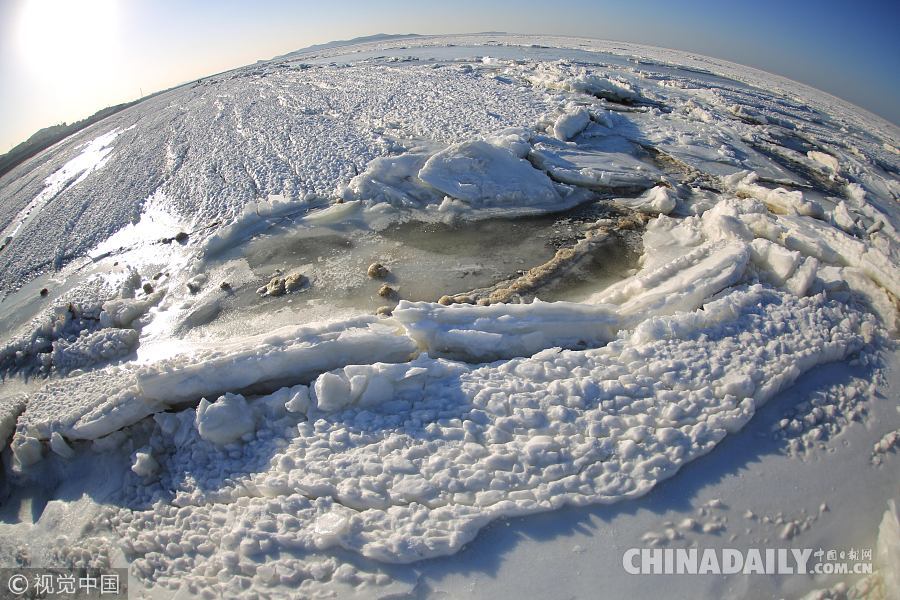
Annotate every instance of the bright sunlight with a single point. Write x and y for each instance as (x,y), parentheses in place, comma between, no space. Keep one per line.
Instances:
(61,39)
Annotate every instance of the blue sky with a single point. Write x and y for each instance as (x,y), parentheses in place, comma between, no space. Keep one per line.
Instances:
(61,60)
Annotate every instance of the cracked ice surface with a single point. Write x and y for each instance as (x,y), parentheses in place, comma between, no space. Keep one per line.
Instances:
(255,460)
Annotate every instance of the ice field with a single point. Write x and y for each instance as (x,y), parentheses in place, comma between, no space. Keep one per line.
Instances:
(455,317)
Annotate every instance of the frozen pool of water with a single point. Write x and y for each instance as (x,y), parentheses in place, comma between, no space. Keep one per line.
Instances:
(426,261)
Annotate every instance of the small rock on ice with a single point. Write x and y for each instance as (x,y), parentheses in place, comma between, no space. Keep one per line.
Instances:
(293,282)
(387,291)
(278,286)
(377,271)
(195,283)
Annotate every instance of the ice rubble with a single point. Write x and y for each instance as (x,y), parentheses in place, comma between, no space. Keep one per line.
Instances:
(778,200)
(89,350)
(709,254)
(657,200)
(91,324)
(408,460)
(100,402)
(428,452)
(570,124)
(609,162)
(477,179)
(329,137)
(564,76)
(485,333)
(373,435)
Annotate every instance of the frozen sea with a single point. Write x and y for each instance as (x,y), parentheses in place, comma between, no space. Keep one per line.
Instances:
(444,317)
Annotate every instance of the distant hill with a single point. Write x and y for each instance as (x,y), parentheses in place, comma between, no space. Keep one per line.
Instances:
(48,136)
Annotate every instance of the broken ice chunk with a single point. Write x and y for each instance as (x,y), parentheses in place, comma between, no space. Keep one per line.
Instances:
(225,420)
(144,464)
(571,124)
(482,174)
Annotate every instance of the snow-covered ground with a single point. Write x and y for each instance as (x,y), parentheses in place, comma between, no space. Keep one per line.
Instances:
(455,316)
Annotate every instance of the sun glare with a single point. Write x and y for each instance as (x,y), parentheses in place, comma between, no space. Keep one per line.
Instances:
(67,39)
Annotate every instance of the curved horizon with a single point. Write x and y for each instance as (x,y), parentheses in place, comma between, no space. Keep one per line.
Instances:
(376,37)
(50,72)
